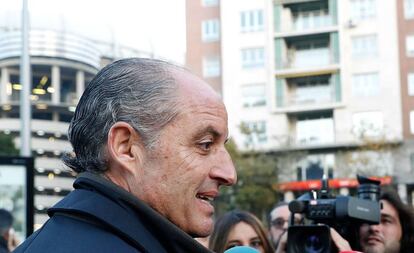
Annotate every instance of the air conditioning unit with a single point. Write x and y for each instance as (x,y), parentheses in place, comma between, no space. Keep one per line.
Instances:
(350,23)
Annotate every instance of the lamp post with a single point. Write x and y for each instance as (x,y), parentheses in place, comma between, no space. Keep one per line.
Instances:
(25,80)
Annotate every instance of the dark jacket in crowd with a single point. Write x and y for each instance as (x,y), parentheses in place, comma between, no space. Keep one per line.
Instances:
(99,216)
(3,245)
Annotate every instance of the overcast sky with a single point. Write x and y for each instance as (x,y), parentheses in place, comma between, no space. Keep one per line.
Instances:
(157,25)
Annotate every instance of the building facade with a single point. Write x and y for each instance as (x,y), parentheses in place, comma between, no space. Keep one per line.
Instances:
(320,82)
(405,10)
(203,36)
(61,65)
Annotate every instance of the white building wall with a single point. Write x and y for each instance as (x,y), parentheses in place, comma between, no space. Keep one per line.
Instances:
(386,63)
(233,75)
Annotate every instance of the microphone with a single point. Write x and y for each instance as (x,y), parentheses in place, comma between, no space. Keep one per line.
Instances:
(241,249)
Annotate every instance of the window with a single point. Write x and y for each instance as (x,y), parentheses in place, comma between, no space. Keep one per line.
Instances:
(412,122)
(409,41)
(368,124)
(255,132)
(211,66)
(251,21)
(315,131)
(409,9)
(363,9)
(365,85)
(209,3)
(410,82)
(252,58)
(364,47)
(253,95)
(210,30)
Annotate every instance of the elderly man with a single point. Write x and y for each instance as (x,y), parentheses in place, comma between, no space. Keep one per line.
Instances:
(148,140)
(395,233)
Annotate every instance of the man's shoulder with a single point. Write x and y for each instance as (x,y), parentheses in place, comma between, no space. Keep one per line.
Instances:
(62,234)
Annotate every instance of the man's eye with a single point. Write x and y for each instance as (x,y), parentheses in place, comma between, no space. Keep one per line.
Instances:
(205,146)
(386,221)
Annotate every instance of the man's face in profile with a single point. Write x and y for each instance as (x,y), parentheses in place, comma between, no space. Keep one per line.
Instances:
(384,237)
(182,174)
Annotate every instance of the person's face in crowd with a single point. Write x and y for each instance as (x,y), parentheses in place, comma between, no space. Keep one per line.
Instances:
(242,234)
(279,222)
(182,174)
(384,237)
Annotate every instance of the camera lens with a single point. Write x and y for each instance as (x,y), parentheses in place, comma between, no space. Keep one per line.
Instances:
(368,188)
(313,244)
(309,239)
(369,192)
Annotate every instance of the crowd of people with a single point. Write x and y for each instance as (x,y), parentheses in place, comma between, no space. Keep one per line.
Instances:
(148,142)
(394,233)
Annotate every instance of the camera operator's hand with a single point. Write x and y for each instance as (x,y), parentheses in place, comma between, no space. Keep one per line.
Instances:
(12,241)
(340,242)
(282,245)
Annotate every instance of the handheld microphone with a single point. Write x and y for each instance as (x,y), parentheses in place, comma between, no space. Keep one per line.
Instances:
(241,249)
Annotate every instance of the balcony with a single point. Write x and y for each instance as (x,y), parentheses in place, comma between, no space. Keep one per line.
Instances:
(307,58)
(307,55)
(307,94)
(313,129)
(311,95)
(300,18)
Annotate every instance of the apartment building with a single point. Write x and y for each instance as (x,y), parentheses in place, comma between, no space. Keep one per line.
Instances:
(321,79)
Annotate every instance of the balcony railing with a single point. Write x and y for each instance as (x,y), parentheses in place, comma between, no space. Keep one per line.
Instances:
(311,20)
(51,44)
(310,96)
(308,58)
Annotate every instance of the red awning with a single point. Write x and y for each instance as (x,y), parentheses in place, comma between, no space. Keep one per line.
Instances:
(333,183)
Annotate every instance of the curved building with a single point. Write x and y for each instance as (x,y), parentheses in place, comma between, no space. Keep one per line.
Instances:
(61,64)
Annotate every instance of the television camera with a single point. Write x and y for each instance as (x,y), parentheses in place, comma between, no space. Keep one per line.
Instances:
(343,213)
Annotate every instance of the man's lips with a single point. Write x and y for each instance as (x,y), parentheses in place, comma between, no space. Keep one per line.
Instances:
(207,196)
(374,239)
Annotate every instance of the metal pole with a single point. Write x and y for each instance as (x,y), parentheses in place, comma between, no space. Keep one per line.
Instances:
(25,80)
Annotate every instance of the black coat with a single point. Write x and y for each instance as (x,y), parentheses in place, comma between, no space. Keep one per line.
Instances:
(99,216)
(3,245)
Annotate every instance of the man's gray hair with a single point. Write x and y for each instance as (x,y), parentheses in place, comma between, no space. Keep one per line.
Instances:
(140,92)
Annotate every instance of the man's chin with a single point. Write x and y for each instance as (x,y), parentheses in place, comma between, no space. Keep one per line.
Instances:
(202,231)
(374,248)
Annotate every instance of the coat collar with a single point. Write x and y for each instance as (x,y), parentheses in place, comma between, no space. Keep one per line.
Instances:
(129,217)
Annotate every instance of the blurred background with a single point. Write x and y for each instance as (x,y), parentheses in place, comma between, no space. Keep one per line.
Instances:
(312,87)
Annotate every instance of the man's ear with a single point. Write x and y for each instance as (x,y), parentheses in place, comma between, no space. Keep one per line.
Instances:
(124,148)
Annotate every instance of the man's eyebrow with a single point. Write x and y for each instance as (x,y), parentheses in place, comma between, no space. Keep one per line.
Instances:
(388,216)
(209,130)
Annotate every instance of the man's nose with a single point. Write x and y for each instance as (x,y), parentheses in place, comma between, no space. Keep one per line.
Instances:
(285,225)
(374,228)
(224,170)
